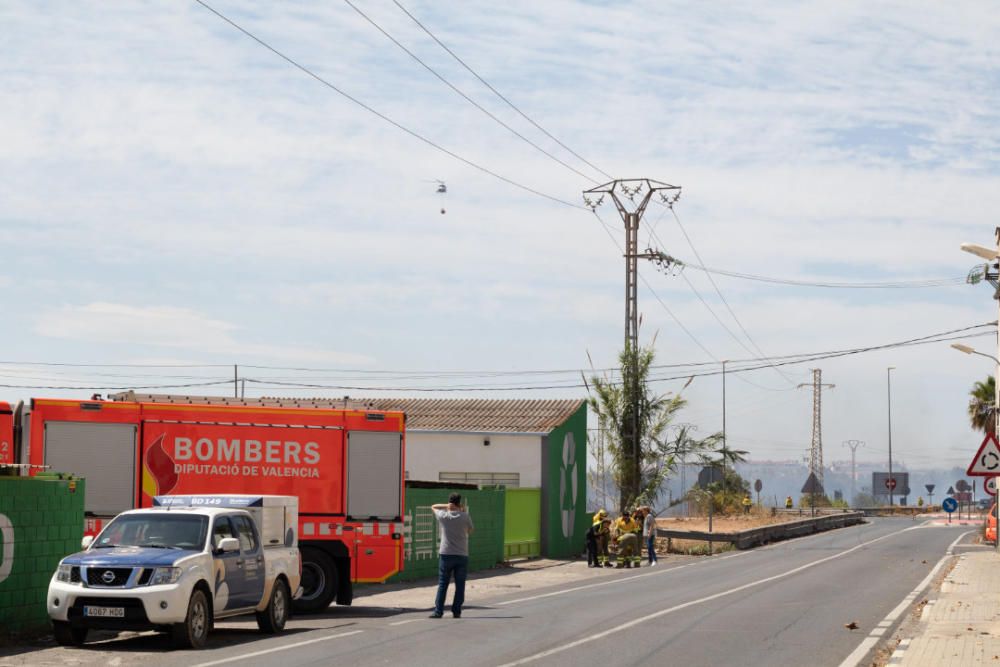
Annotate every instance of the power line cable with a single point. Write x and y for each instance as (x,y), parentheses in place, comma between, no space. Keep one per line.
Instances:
(383,116)
(721,297)
(498,93)
(899,284)
(465,96)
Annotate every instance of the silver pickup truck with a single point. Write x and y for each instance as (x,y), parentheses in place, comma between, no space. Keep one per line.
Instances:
(180,566)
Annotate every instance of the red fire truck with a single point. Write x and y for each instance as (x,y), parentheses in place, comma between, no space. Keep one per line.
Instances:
(345,465)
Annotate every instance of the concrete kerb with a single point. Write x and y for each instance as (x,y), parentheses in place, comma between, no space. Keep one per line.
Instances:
(961,626)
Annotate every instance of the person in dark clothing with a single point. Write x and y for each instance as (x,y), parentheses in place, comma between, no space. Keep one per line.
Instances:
(592,545)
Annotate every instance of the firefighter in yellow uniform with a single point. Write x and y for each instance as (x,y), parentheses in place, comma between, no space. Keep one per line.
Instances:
(788,503)
(602,531)
(626,531)
(747,504)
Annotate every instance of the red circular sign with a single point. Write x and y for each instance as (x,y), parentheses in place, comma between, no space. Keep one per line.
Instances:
(890,483)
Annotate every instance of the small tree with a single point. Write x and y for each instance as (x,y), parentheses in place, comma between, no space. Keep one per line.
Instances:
(638,475)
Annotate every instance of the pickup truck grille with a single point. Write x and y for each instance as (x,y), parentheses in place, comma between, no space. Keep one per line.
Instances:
(108,577)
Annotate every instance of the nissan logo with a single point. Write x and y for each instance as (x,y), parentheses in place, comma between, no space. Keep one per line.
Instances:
(108,577)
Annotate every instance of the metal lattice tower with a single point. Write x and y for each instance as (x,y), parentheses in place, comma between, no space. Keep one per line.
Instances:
(816,449)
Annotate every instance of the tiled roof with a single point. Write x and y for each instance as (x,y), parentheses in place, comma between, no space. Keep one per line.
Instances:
(479,414)
(476,415)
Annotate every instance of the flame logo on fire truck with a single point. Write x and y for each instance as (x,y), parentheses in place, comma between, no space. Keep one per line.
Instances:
(158,476)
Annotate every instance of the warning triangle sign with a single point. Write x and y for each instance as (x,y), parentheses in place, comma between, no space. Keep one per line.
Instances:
(812,485)
(987,460)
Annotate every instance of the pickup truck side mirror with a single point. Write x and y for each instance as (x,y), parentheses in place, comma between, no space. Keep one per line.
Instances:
(87,541)
(228,545)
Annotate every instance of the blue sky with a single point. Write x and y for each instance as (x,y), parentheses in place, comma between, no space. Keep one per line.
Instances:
(174,193)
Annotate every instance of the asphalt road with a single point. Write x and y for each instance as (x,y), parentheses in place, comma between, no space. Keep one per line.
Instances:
(786,604)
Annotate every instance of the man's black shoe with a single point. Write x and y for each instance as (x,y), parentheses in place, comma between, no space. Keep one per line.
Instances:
(435,615)
(458,615)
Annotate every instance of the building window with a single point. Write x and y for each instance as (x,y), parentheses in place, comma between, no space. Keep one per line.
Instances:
(511,479)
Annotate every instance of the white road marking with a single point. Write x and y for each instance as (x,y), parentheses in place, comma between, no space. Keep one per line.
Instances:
(692,603)
(410,620)
(244,656)
(858,654)
(668,570)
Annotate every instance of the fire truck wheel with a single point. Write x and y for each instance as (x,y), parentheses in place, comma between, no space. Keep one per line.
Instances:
(319,581)
(67,635)
(193,631)
(272,620)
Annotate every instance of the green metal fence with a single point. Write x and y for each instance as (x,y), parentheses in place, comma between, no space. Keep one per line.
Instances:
(41,521)
(486,544)
(522,528)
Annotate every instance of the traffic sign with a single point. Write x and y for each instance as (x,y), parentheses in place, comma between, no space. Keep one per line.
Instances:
(951,490)
(949,505)
(929,487)
(987,459)
(962,486)
(758,485)
(991,485)
(890,483)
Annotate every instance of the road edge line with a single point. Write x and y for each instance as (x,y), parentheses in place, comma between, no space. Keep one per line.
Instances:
(244,656)
(876,635)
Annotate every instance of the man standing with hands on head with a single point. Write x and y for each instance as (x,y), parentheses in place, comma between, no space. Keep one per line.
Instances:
(456,525)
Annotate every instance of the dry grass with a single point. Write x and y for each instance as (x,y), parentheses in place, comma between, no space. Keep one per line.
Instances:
(720,524)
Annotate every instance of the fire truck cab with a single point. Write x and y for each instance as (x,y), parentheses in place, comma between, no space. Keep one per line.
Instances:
(346,466)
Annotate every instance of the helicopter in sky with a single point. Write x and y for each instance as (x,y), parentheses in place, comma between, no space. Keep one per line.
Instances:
(442,190)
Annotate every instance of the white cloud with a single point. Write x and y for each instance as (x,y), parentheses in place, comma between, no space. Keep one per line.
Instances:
(167,326)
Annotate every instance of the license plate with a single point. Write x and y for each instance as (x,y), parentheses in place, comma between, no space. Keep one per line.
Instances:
(104,612)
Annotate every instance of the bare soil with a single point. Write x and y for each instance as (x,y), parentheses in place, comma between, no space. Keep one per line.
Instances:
(720,524)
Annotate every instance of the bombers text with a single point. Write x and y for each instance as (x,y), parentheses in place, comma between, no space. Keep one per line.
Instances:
(246,451)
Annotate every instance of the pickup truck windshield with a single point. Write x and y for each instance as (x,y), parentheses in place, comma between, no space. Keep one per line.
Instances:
(154,530)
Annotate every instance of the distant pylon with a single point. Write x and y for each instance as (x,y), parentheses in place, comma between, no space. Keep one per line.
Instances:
(816,450)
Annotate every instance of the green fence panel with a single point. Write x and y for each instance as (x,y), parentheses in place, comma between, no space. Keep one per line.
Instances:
(421,534)
(41,521)
(564,487)
(522,530)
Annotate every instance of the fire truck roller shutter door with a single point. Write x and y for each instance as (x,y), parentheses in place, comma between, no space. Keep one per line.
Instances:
(103,454)
(373,475)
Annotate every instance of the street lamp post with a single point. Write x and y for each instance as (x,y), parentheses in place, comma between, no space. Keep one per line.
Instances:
(888,383)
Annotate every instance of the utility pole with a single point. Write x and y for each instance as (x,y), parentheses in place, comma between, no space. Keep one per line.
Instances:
(888,387)
(724,361)
(816,450)
(631,214)
(853,444)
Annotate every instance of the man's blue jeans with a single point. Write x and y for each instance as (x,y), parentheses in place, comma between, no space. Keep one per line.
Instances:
(651,547)
(448,565)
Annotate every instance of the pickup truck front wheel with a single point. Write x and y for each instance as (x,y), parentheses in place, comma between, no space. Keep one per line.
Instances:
(272,620)
(67,635)
(193,632)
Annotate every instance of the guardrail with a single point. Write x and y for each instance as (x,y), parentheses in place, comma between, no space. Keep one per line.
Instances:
(747,539)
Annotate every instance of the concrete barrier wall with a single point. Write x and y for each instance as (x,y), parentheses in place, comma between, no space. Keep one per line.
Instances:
(747,539)
(41,521)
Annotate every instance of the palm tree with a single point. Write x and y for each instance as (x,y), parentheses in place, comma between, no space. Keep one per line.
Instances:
(639,478)
(983,407)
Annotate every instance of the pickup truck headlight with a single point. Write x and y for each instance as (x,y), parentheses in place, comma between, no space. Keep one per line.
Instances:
(64,573)
(165,575)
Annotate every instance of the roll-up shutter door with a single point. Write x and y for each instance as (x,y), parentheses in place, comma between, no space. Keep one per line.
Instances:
(103,454)
(373,470)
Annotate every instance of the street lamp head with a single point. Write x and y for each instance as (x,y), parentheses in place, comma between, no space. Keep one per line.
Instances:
(980,251)
(962,348)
